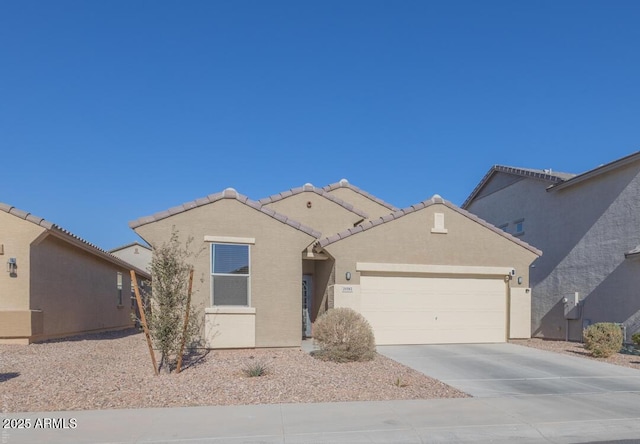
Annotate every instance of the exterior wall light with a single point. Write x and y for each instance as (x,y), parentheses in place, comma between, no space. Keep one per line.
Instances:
(347,275)
(12,266)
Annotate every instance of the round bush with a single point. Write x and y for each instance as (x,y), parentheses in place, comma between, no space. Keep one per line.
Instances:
(636,338)
(603,339)
(344,335)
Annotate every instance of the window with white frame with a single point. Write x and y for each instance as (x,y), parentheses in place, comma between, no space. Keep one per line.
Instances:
(230,273)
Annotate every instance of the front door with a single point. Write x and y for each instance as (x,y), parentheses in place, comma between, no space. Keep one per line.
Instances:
(306,305)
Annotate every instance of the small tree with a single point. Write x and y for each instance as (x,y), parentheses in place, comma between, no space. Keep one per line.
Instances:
(165,308)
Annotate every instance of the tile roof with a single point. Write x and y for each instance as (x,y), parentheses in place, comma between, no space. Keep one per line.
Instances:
(546,175)
(436,199)
(69,236)
(344,183)
(308,188)
(228,193)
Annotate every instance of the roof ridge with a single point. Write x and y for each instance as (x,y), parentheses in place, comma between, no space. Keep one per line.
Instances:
(130,244)
(227,193)
(546,175)
(344,183)
(50,226)
(307,187)
(435,199)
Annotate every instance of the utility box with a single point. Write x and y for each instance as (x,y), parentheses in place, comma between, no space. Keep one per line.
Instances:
(571,306)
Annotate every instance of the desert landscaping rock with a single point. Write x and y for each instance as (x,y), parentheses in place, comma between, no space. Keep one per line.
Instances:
(113,371)
(577,349)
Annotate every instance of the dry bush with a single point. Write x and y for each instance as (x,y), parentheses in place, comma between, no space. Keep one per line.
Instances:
(603,339)
(344,335)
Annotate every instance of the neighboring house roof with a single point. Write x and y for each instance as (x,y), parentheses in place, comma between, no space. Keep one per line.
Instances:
(557,181)
(545,175)
(309,188)
(131,244)
(595,172)
(69,237)
(322,243)
(633,253)
(344,183)
(228,193)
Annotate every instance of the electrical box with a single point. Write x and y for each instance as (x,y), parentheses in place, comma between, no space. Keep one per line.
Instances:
(572,306)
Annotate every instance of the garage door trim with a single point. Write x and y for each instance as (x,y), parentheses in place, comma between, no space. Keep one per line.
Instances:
(375,268)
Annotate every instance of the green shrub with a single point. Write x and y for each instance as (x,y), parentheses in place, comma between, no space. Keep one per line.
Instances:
(344,335)
(255,368)
(603,339)
(636,338)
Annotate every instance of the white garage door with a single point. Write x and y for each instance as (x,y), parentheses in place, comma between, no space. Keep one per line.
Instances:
(434,310)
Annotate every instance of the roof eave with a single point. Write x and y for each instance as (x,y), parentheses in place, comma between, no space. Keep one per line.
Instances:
(603,169)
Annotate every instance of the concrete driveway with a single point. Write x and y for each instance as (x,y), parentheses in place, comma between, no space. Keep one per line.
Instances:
(504,370)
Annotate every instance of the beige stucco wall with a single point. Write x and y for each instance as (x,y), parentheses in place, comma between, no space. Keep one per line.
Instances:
(16,236)
(276,263)
(409,240)
(324,215)
(76,290)
(371,207)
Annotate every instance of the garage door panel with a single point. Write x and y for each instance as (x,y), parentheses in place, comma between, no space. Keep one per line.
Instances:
(428,310)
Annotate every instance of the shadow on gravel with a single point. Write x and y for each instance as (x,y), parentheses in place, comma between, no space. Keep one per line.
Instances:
(194,358)
(581,353)
(106,335)
(6,376)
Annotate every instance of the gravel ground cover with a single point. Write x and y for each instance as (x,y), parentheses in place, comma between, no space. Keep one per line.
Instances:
(113,370)
(625,359)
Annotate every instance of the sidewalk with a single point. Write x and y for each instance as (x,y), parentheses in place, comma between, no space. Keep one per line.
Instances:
(527,419)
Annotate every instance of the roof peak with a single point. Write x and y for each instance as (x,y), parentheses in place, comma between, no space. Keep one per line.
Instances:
(344,183)
(307,187)
(227,193)
(436,199)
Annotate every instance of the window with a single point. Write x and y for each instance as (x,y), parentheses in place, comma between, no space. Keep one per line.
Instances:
(119,287)
(519,227)
(230,274)
(503,227)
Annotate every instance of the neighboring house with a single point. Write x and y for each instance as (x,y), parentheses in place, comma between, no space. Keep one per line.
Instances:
(430,273)
(56,284)
(588,227)
(135,254)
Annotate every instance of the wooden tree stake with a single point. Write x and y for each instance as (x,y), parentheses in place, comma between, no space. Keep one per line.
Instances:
(143,321)
(186,322)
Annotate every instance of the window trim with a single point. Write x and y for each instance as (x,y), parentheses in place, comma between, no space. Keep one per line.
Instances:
(212,274)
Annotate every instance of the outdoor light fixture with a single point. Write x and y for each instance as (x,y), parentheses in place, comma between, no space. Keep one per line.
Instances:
(12,266)
(347,275)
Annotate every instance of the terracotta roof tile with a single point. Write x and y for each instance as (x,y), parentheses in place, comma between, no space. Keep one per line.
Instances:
(322,243)
(308,188)
(344,183)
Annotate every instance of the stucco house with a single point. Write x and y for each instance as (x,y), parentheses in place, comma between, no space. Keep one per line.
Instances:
(587,226)
(134,253)
(56,284)
(429,273)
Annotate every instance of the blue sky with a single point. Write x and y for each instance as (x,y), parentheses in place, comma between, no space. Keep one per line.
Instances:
(110,111)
